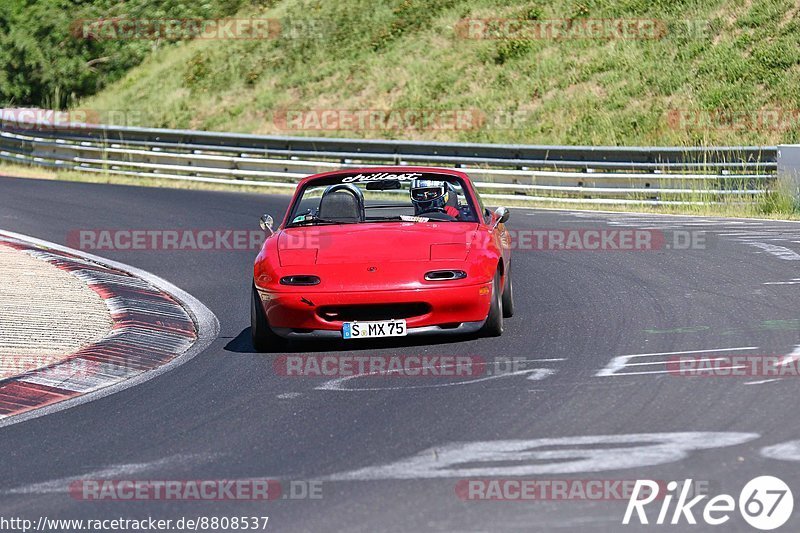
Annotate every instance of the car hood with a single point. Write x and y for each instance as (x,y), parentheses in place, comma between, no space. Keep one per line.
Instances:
(376,242)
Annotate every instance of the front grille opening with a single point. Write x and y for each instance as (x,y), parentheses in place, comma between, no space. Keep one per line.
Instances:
(367,312)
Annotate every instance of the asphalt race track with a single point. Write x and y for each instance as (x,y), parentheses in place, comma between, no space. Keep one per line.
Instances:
(390,457)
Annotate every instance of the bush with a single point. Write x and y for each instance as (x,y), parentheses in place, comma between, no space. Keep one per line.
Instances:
(47,59)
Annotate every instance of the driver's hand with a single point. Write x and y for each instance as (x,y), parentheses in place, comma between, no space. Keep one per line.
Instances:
(452,211)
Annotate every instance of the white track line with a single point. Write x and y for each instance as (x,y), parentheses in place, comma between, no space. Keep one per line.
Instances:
(207,331)
(691,351)
(117,471)
(670,371)
(621,361)
(706,360)
(792,357)
(781,252)
(762,381)
(540,374)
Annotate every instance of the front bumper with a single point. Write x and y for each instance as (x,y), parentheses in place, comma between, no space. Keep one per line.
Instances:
(449,309)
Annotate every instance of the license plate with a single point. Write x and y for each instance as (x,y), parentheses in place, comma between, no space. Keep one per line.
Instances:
(370,330)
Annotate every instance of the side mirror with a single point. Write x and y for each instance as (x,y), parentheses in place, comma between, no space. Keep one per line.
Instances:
(502,215)
(266,223)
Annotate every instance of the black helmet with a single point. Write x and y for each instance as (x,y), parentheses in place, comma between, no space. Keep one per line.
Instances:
(430,195)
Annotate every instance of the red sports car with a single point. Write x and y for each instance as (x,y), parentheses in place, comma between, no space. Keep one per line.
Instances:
(382,252)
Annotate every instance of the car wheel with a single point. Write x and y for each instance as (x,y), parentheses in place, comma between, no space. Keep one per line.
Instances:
(264,339)
(508,297)
(494,321)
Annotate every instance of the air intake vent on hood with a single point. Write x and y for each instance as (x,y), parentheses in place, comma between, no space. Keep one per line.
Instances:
(445,275)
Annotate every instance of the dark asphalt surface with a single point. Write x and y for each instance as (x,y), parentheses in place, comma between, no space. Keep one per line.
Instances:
(227,415)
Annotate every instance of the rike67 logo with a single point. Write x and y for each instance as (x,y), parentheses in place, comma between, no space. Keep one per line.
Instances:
(765,503)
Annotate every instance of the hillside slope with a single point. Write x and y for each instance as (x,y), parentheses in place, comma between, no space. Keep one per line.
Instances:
(705,72)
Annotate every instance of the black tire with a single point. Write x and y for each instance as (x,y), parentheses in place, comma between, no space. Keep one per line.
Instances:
(264,339)
(494,321)
(508,297)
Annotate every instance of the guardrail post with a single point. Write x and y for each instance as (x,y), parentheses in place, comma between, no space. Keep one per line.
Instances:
(789,170)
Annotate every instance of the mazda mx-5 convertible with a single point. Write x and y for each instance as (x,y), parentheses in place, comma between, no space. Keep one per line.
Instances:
(382,252)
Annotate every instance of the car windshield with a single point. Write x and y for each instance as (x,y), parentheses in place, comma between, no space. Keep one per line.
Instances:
(383,197)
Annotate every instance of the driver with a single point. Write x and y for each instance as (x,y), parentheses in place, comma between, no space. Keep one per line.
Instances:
(432,196)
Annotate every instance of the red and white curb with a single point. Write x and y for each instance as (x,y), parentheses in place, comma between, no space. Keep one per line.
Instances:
(156,326)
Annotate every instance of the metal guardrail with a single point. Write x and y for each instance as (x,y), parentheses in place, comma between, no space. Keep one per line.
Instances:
(627,175)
